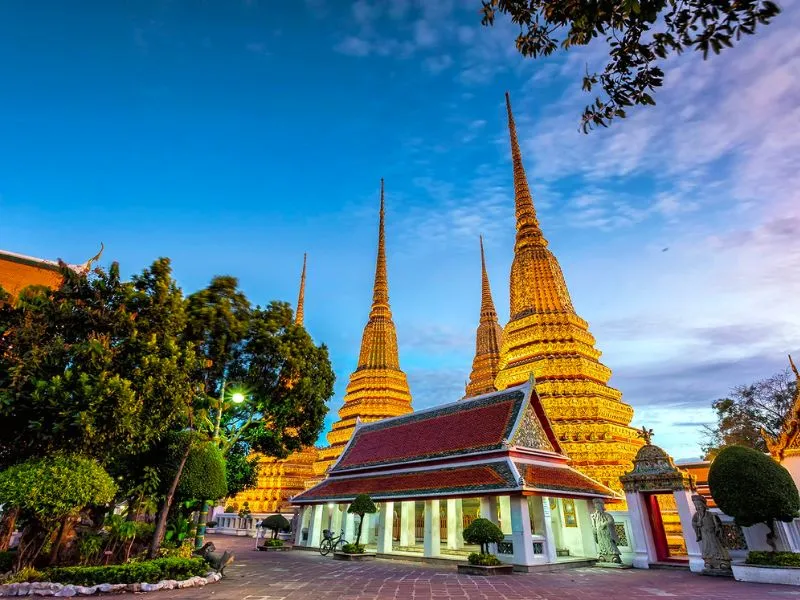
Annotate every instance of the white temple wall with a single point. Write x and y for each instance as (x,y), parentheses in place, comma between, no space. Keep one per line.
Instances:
(622,521)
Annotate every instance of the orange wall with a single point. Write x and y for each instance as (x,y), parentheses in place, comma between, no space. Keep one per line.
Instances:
(14,276)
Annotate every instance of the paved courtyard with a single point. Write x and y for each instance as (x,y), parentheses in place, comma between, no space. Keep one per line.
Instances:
(300,575)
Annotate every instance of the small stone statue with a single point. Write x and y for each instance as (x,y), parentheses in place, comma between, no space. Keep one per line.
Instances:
(217,561)
(708,529)
(605,535)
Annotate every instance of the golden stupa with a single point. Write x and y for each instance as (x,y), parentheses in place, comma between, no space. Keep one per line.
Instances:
(280,479)
(377,389)
(545,335)
(486,363)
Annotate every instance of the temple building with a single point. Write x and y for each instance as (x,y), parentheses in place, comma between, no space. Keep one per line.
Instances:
(785,448)
(546,337)
(434,471)
(280,479)
(378,388)
(18,271)
(486,363)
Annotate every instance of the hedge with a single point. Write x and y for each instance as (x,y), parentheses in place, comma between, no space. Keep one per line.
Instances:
(150,571)
(774,559)
(6,561)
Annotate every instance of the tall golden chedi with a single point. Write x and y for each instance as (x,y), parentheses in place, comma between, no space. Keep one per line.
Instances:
(545,335)
(280,479)
(378,389)
(486,363)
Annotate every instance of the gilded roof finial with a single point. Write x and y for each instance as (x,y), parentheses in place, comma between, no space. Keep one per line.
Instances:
(85,267)
(528,229)
(791,362)
(646,434)
(301,297)
(487,304)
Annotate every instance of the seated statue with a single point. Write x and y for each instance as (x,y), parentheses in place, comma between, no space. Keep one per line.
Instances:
(217,561)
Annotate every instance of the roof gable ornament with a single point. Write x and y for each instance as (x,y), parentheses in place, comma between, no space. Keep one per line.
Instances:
(533,429)
(788,441)
(655,471)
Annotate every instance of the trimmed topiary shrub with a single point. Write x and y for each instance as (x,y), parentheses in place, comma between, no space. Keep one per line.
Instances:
(272,543)
(362,505)
(483,532)
(276,524)
(485,560)
(353,548)
(774,559)
(752,488)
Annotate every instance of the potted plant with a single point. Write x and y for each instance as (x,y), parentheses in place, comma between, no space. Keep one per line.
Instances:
(483,532)
(753,488)
(362,505)
(276,524)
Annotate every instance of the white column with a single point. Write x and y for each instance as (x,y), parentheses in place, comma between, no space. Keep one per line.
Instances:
(455,524)
(298,535)
(350,527)
(505,513)
(521,531)
(431,536)
(686,510)
(407,524)
(489,508)
(336,520)
(549,534)
(385,528)
(315,526)
(642,543)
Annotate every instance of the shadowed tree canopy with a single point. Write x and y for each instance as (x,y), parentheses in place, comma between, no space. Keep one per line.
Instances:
(639,34)
(747,410)
(262,353)
(96,367)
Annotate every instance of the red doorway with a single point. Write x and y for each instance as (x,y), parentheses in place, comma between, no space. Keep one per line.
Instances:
(667,549)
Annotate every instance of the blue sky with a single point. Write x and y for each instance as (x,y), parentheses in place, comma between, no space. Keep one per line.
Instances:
(234,136)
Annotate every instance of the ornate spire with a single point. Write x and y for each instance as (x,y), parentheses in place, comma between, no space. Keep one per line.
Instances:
(788,441)
(378,389)
(537,284)
(485,365)
(528,230)
(301,297)
(545,336)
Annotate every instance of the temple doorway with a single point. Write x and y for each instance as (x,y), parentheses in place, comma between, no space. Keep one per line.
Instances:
(665,524)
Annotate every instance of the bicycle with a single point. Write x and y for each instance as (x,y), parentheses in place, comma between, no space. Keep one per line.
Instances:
(330,543)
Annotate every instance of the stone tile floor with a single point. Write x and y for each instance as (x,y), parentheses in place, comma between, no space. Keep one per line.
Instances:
(301,575)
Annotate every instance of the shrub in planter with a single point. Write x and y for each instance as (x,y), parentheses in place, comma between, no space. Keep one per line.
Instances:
(483,532)
(273,543)
(362,505)
(774,559)
(486,560)
(752,488)
(276,524)
(353,548)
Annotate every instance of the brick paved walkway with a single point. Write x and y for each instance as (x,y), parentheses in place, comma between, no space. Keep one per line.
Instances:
(300,575)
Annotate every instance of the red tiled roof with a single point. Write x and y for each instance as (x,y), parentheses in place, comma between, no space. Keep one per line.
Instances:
(467,426)
(453,480)
(560,479)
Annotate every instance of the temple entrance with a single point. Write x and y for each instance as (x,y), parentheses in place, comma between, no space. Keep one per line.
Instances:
(665,525)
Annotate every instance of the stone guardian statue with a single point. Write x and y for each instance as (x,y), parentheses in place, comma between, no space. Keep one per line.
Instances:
(708,529)
(605,535)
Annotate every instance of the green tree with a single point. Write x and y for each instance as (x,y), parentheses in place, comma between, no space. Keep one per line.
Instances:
(362,505)
(241,470)
(49,492)
(640,36)
(483,532)
(748,410)
(752,488)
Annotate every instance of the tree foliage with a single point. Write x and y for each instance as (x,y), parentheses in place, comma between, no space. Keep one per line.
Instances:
(752,488)
(51,488)
(241,470)
(286,378)
(749,409)
(362,505)
(640,36)
(483,532)
(95,367)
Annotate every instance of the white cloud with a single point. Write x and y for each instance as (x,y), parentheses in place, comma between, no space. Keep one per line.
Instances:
(353,46)
(437,64)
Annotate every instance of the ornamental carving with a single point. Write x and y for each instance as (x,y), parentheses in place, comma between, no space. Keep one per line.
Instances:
(530,433)
(654,471)
(788,441)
